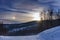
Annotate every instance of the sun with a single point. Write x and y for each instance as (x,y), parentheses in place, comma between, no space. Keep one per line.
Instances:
(13,17)
(36,16)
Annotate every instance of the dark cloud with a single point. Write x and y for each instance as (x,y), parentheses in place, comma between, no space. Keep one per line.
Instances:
(27,4)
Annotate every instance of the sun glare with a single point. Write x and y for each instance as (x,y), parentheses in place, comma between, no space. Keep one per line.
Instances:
(36,16)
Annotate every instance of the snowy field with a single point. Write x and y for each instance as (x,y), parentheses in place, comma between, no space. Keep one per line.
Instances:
(50,34)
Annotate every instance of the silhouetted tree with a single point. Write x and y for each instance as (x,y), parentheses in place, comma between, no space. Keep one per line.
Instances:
(58,14)
(3,30)
(50,12)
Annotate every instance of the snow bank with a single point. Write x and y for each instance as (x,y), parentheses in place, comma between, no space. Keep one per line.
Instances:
(50,34)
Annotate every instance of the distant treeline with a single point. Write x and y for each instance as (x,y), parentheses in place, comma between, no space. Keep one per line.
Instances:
(49,15)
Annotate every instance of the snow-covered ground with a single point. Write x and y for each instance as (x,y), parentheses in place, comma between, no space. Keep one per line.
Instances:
(50,34)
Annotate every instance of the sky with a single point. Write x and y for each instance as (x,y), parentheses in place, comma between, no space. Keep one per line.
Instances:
(23,10)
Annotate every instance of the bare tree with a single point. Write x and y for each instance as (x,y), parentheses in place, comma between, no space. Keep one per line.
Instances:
(58,14)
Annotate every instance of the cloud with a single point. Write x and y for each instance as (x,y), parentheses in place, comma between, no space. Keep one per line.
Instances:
(16,5)
(25,7)
(54,4)
(18,17)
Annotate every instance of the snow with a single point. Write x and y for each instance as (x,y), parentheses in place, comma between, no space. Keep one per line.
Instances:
(50,34)
(18,37)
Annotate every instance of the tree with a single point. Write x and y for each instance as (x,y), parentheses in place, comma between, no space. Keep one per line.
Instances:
(58,14)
